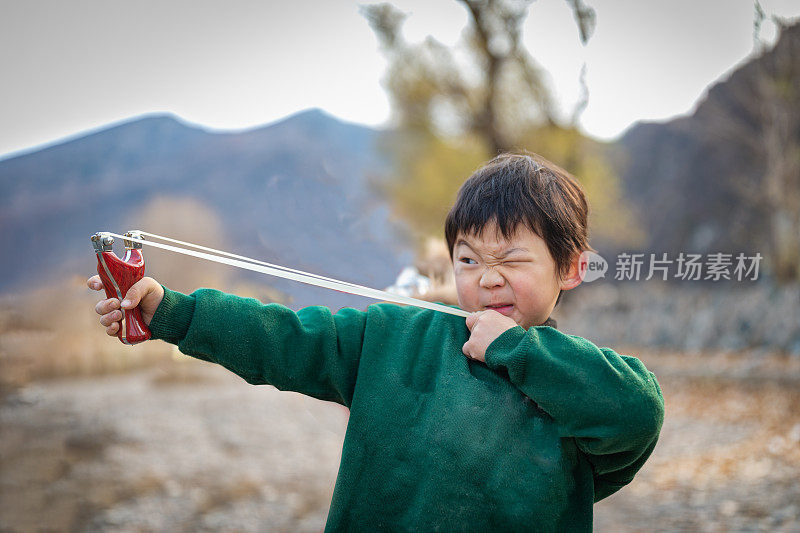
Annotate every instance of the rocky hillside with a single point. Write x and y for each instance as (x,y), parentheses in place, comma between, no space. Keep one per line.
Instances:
(723,179)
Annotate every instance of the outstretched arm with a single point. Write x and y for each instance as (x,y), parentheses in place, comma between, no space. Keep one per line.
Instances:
(312,351)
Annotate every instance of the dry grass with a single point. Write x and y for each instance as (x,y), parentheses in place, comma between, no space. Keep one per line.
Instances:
(771,410)
(728,458)
(53,331)
(219,495)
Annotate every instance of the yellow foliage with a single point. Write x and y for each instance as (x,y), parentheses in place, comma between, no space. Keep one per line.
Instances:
(426,180)
(424,186)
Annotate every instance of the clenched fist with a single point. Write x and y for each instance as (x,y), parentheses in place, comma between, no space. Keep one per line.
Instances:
(485,327)
(146,293)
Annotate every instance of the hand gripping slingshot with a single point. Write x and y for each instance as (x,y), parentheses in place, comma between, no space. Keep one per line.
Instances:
(119,274)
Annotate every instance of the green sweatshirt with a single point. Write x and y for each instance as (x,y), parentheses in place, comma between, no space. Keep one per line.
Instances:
(437,441)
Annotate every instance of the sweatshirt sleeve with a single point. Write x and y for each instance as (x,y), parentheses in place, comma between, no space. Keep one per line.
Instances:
(609,403)
(312,351)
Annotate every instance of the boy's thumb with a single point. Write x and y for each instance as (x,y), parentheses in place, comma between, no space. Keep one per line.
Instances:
(135,294)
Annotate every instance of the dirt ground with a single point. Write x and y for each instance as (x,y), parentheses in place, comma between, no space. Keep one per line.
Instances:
(188,446)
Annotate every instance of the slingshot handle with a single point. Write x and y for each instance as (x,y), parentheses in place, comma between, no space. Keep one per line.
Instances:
(118,275)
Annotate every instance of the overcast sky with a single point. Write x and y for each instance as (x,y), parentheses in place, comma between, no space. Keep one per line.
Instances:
(72,66)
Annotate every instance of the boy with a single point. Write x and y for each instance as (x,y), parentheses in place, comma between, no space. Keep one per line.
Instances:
(501,423)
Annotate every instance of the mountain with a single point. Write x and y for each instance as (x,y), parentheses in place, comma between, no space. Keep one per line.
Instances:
(727,177)
(295,193)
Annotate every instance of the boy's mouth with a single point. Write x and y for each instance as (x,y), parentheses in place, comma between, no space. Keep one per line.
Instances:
(504,309)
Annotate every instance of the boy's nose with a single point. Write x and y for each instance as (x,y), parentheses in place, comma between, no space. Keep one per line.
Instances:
(491,278)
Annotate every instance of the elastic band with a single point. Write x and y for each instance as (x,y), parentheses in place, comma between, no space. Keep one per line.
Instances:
(288,273)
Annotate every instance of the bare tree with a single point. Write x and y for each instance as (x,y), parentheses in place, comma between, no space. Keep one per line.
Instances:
(457,107)
(761,118)
(778,106)
(502,97)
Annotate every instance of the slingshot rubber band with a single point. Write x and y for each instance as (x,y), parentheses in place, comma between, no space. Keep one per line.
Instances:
(254,265)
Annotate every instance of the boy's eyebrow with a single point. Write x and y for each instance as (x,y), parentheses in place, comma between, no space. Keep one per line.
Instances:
(502,254)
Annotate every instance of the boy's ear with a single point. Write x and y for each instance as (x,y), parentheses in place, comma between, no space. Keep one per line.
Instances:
(577,270)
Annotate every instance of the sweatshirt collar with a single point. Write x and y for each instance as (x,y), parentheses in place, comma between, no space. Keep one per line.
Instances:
(550,322)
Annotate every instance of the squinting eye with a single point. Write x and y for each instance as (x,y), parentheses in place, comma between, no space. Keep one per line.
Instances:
(465,259)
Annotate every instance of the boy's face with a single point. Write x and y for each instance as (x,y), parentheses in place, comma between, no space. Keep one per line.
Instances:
(518,275)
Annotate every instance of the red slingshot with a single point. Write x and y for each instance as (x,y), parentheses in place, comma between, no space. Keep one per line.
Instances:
(118,275)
